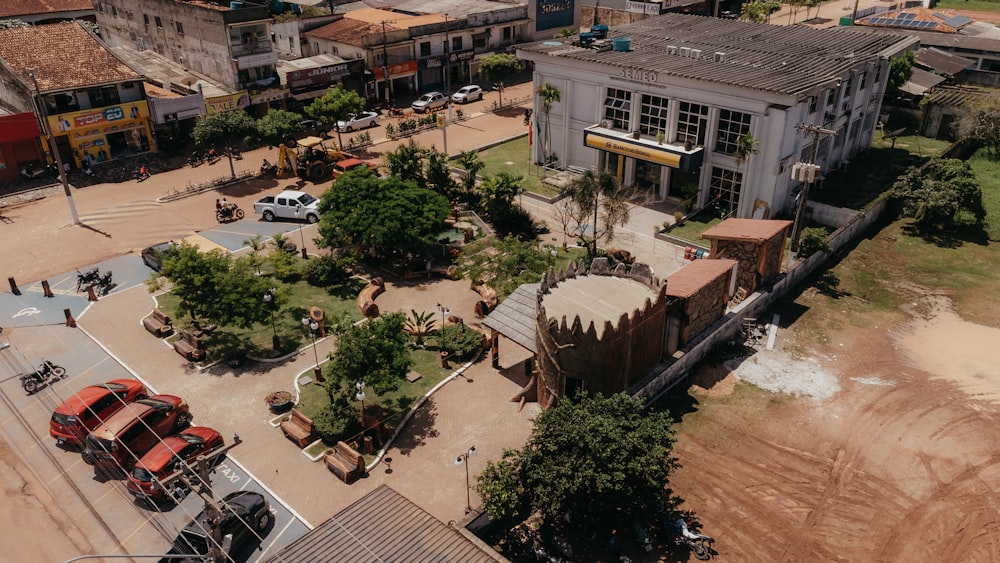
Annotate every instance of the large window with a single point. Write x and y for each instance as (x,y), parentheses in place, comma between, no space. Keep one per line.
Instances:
(106,96)
(425,49)
(691,121)
(732,125)
(724,189)
(653,116)
(618,108)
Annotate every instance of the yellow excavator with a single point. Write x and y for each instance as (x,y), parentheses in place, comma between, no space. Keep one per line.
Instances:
(308,158)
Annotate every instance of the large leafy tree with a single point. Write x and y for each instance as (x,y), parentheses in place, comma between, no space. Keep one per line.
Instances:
(438,175)
(336,105)
(982,122)
(195,277)
(278,125)
(469,160)
(597,458)
(406,162)
(603,199)
(497,67)
(379,215)
(900,69)
(224,128)
(758,10)
(376,352)
(505,264)
(941,195)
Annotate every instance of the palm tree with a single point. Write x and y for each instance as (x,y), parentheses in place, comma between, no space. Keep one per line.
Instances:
(549,95)
(599,196)
(420,324)
(746,146)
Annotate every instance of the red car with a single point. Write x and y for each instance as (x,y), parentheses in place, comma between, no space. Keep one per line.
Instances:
(167,456)
(89,407)
(134,430)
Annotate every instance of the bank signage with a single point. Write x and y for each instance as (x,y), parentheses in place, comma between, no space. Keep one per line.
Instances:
(661,154)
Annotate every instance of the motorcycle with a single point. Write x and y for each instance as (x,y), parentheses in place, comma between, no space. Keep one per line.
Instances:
(46,373)
(527,116)
(228,213)
(395,112)
(196,159)
(235,153)
(700,545)
(268,169)
(29,171)
(211,156)
(87,279)
(105,283)
(141,174)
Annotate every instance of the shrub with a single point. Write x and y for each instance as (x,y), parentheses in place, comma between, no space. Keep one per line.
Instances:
(327,271)
(459,339)
(335,423)
(814,240)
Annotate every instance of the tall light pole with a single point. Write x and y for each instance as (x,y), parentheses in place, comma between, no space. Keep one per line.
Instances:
(269,300)
(385,66)
(464,459)
(360,395)
(806,172)
(313,326)
(447,83)
(445,313)
(36,98)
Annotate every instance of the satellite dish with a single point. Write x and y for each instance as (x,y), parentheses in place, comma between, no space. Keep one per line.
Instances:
(188,81)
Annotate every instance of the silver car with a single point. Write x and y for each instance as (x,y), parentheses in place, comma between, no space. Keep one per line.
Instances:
(362,120)
(429,101)
(466,94)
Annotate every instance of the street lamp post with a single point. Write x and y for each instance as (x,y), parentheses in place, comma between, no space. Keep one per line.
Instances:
(464,460)
(445,313)
(360,395)
(313,326)
(47,131)
(269,300)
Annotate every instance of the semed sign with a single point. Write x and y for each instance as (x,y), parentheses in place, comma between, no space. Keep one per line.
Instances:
(638,75)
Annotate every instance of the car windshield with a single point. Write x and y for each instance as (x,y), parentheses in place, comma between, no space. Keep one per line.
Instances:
(306,199)
(426,97)
(96,444)
(63,419)
(140,474)
(191,542)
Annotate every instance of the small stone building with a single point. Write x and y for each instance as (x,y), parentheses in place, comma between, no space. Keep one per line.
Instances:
(756,244)
(701,290)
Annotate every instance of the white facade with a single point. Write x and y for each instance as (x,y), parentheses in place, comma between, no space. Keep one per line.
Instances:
(649,122)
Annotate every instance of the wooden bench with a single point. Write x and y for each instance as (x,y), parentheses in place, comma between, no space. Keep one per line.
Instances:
(189,346)
(345,462)
(158,324)
(299,428)
(488,302)
(366,299)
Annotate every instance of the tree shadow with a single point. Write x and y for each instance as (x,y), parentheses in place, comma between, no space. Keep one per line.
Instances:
(419,428)
(951,239)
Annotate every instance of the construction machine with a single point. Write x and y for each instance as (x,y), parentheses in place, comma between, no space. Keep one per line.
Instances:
(308,158)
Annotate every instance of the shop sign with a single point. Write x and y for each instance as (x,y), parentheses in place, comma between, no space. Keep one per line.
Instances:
(229,102)
(460,56)
(627,148)
(319,75)
(648,8)
(396,70)
(100,120)
(269,95)
(262,59)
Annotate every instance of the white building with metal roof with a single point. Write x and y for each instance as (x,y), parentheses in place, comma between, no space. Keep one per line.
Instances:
(664,102)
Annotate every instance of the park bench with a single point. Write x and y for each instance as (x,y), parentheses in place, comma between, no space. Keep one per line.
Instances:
(158,324)
(366,299)
(488,301)
(345,462)
(299,428)
(189,346)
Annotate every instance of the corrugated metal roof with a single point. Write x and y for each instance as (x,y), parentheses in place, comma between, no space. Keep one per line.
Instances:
(956,97)
(456,8)
(746,229)
(514,317)
(382,526)
(939,60)
(782,59)
(14,8)
(921,81)
(691,278)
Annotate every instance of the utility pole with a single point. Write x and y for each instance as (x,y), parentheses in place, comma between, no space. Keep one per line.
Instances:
(36,97)
(806,173)
(385,67)
(447,84)
(203,487)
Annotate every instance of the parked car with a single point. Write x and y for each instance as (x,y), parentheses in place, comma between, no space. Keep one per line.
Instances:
(315,128)
(348,164)
(153,256)
(362,120)
(429,102)
(466,94)
(167,457)
(134,430)
(246,515)
(289,204)
(89,407)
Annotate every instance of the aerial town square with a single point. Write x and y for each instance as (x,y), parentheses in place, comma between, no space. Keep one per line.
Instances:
(470,280)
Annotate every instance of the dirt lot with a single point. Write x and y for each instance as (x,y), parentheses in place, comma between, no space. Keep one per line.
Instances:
(869,433)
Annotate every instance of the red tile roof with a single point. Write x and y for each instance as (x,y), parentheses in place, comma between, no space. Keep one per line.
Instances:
(14,8)
(919,19)
(691,278)
(64,56)
(746,229)
(348,31)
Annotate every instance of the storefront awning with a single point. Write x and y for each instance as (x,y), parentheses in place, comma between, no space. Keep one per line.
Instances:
(643,148)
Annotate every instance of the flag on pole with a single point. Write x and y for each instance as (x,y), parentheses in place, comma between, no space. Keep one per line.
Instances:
(530,136)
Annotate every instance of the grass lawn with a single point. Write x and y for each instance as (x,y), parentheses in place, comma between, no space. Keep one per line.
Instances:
(695,225)
(988,173)
(256,340)
(973,5)
(512,157)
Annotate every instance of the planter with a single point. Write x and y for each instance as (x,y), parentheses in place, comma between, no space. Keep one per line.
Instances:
(280,401)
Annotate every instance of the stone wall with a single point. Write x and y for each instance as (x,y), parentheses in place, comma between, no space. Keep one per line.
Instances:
(704,308)
(747,253)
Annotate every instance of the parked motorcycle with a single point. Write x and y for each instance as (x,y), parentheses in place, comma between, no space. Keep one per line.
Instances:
(395,112)
(235,153)
(700,545)
(229,212)
(45,374)
(211,156)
(141,174)
(196,159)
(268,169)
(105,283)
(31,171)
(84,280)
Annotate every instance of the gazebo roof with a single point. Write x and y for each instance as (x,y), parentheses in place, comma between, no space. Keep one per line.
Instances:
(514,317)
(746,229)
(691,278)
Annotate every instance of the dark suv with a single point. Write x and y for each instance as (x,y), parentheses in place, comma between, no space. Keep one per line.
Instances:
(246,515)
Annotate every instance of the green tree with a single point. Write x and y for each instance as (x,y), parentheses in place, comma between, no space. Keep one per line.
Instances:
(406,162)
(278,125)
(438,175)
(459,340)
(498,192)
(599,197)
(497,67)
(239,298)
(596,458)
(759,10)
(195,277)
(224,128)
(900,70)
(549,95)
(941,195)
(421,325)
(746,146)
(337,104)
(505,264)
(469,160)
(981,121)
(565,32)
(376,352)
(379,215)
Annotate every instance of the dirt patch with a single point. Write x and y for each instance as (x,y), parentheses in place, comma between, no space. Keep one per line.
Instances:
(887,453)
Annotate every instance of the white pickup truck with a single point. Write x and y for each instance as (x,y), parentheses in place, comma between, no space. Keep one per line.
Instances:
(289,204)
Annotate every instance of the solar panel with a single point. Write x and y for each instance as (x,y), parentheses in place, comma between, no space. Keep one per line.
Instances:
(929,24)
(958,21)
(907,16)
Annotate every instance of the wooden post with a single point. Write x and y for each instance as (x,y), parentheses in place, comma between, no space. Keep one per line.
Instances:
(46,290)
(13,286)
(70,321)
(91,294)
